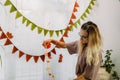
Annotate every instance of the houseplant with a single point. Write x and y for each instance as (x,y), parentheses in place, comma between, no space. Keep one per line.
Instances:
(109,65)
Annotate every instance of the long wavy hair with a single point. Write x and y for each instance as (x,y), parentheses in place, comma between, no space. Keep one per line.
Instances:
(94,45)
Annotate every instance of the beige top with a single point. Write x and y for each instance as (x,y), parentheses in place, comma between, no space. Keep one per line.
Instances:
(88,71)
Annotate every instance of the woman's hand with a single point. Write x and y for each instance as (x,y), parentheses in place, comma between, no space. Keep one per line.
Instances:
(47,43)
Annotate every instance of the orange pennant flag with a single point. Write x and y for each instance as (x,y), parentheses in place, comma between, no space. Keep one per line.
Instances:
(53,50)
(73,16)
(76,4)
(28,57)
(8,42)
(68,28)
(71,22)
(75,10)
(36,58)
(14,49)
(2,36)
(42,57)
(65,34)
(62,39)
(49,55)
(20,54)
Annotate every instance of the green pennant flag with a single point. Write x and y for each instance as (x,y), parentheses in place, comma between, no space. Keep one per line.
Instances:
(18,14)
(13,9)
(90,7)
(45,32)
(71,28)
(39,30)
(78,21)
(75,25)
(51,33)
(87,11)
(57,33)
(92,2)
(61,31)
(85,15)
(82,17)
(7,3)
(28,23)
(33,26)
(23,20)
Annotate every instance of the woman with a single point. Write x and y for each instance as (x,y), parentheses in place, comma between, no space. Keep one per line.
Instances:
(89,48)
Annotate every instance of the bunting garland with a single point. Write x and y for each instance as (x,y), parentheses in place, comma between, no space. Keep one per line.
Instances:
(8,36)
(71,24)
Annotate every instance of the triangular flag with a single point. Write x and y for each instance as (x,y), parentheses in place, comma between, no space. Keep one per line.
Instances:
(71,22)
(23,20)
(75,9)
(18,14)
(13,9)
(7,3)
(14,49)
(61,31)
(42,57)
(57,33)
(28,23)
(73,16)
(20,54)
(75,25)
(71,28)
(68,28)
(92,2)
(2,36)
(45,32)
(39,30)
(53,50)
(76,4)
(88,11)
(78,21)
(90,7)
(8,42)
(36,58)
(49,55)
(51,33)
(62,39)
(66,34)
(33,26)
(28,57)
(82,17)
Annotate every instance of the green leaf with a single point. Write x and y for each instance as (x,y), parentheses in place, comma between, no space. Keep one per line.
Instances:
(18,14)
(7,3)
(13,9)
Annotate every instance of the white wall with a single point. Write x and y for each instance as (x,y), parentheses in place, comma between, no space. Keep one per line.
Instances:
(105,13)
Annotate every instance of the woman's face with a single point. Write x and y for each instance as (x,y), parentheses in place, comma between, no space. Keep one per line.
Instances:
(83,36)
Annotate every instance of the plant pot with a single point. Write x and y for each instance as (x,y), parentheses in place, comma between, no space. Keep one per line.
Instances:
(103,74)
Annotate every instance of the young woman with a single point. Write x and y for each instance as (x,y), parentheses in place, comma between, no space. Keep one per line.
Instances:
(89,48)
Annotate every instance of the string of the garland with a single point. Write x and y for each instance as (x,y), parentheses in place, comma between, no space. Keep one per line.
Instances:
(45,31)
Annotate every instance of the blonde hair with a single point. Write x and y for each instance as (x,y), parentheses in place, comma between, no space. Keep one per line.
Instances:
(94,45)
